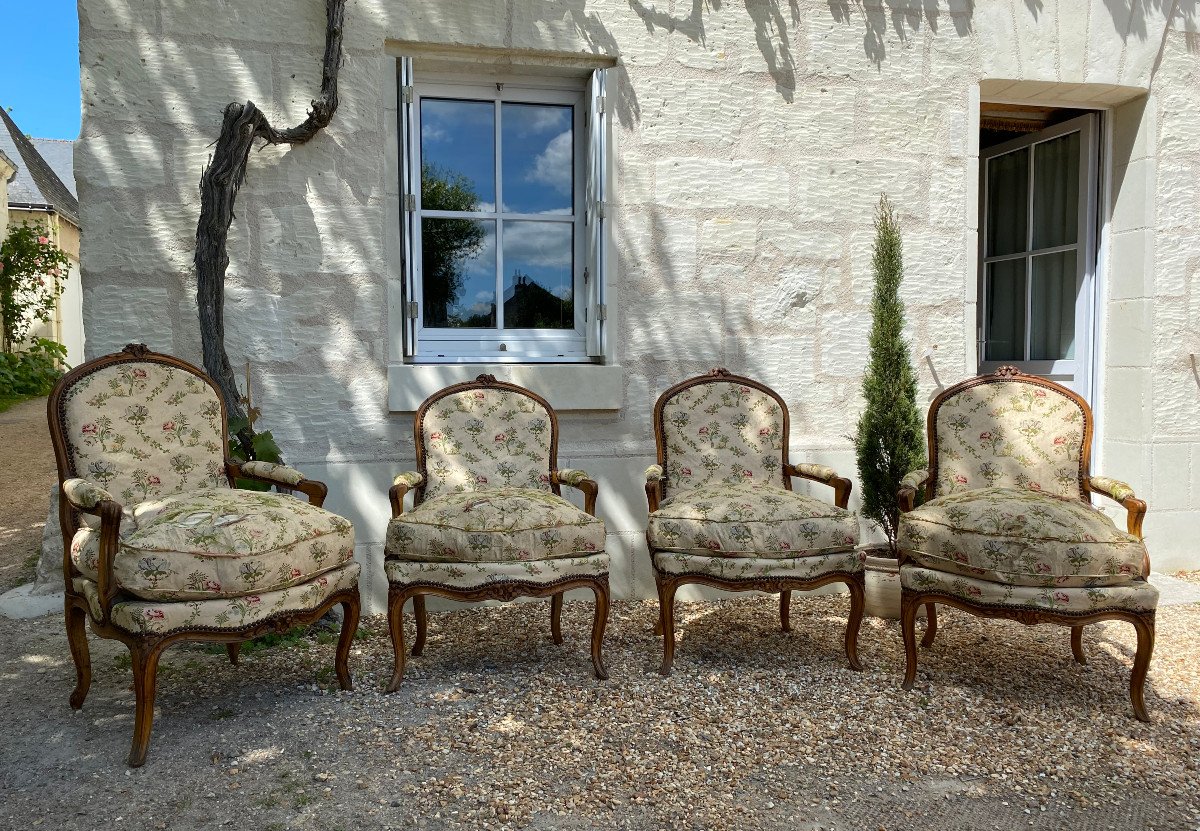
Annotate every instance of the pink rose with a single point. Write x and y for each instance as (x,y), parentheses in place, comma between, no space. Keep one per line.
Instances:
(478,396)
(1034,486)
(1043,568)
(296,573)
(89,429)
(1060,440)
(1127,569)
(960,557)
(252,599)
(1039,393)
(687,471)
(43,240)
(785,546)
(974,591)
(704,431)
(155,614)
(747,474)
(712,545)
(434,436)
(1062,597)
(589,546)
(154,480)
(985,436)
(212,585)
(765,431)
(960,479)
(481,480)
(168,426)
(544,479)
(139,373)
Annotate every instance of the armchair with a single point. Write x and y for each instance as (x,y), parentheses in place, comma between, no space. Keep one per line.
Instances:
(488,519)
(1007,529)
(722,509)
(160,548)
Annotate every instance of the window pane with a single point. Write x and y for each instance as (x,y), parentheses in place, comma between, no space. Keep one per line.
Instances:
(1005,332)
(458,155)
(458,269)
(1052,307)
(538,165)
(539,267)
(1056,192)
(1007,202)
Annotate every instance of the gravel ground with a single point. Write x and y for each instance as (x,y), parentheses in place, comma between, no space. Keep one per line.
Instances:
(495,727)
(27,473)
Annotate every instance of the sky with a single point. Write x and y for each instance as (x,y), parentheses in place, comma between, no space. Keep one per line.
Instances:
(39,66)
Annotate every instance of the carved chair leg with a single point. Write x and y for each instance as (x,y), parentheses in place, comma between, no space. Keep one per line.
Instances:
(396,626)
(785,610)
(858,593)
(350,612)
(1144,624)
(145,684)
(422,624)
(599,622)
(908,625)
(233,649)
(1077,645)
(930,625)
(76,618)
(666,611)
(556,604)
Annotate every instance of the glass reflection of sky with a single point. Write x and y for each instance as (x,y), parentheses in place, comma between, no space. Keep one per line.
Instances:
(460,137)
(538,150)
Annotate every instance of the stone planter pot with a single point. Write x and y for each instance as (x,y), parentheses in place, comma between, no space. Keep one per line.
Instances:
(883,584)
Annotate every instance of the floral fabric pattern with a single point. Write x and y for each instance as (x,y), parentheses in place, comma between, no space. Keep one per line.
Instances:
(915,479)
(410,479)
(217,543)
(1115,488)
(496,525)
(571,476)
(723,433)
(1135,596)
(1019,537)
(484,438)
(1012,434)
(282,474)
(85,494)
(142,430)
(763,521)
(478,575)
(758,568)
(822,473)
(654,473)
(150,618)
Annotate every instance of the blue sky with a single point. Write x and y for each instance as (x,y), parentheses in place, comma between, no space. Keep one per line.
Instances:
(39,67)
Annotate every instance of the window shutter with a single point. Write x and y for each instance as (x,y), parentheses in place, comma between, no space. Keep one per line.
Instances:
(597,200)
(410,183)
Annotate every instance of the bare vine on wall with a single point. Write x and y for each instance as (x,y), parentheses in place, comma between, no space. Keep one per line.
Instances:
(242,125)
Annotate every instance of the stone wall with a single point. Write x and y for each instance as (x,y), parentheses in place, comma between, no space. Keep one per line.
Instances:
(753,140)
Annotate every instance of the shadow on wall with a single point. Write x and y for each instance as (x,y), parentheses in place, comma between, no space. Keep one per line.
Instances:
(602,42)
(902,16)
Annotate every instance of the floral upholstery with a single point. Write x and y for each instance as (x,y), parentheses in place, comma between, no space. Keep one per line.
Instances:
(722,432)
(142,429)
(217,543)
(85,494)
(1114,488)
(494,525)
(469,576)
(1020,537)
(572,476)
(654,473)
(822,473)
(410,479)
(284,475)
(481,438)
(738,520)
(156,618)
(759,568)
(1135,596)
(915,479)
(1009,433)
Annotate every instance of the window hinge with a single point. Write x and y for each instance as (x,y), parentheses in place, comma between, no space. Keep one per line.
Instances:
(602,311)
(601,209)
(412,310)
(600,100)
(406,93)
(410,201)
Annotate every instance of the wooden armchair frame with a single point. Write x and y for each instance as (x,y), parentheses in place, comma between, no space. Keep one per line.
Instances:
(146,649)
(668,584)
(509,589)
(912,599)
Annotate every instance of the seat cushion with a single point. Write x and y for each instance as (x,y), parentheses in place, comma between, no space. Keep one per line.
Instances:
(1135,596)
(147,617)
(760,520)
(1022,537)
(759,568)
(468,576)
(219,542)
(496,525)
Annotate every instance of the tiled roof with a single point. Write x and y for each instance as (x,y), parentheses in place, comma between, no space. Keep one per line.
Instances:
(37,184)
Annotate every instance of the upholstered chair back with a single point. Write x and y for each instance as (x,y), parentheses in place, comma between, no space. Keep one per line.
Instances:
(720,428)
(141,425)
(485,434)
(1010,430)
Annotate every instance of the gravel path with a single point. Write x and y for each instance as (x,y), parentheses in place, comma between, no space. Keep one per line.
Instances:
(495,727)
(27,473)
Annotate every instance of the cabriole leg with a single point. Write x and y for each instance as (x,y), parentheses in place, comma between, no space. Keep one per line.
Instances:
(233,650)
(1077,645)
(556,606)
(350,612)
(908,625)
(785,610)
(599,622)
(858,604)
(76,618)
(666,611)
(396,627)
(145,683)
(422,624)
(930,625)
(1144,625)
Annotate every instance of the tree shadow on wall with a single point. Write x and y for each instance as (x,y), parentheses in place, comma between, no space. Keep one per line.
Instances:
(602,42)
(904,17)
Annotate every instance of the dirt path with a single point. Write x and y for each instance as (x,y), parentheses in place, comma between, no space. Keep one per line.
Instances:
(27,473)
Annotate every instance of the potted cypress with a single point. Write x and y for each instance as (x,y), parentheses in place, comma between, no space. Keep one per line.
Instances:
(889,440)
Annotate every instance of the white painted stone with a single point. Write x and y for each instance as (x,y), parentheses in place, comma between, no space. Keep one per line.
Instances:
(1131,265)
(22,604)
(127,161)
(684,112)
(1130,326)
(714,183)
(801,239)
(114,316)
(1170,477)
(844,343)
(1176,262)
(728,236)
(676,326)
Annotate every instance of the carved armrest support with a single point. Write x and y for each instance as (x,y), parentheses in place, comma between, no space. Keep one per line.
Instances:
(578,479)
(826,476)
(401,485)
(654,486)
(1122,493)
(89,498)
(281,475)
(906,497)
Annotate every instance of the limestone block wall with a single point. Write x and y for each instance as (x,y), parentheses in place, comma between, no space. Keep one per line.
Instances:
(753,140)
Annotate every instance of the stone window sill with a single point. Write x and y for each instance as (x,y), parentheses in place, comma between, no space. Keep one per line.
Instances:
(566,386)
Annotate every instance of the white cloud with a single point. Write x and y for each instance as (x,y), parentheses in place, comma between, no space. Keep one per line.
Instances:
(553,166)
(531,120)
(530,244)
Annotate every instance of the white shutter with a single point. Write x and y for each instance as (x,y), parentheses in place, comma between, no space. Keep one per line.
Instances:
(410,184)
(596,207)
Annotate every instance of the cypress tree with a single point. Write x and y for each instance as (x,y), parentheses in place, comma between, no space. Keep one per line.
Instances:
(889,440)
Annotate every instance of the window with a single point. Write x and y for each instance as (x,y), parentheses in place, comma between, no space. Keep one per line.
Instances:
(503,230)
(1037,258)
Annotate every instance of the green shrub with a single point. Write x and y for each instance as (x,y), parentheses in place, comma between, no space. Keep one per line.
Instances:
(34,371)
(265,450)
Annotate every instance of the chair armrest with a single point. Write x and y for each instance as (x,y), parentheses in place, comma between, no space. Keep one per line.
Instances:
(89,498)
(1122,493)
(906,496)
(84,495)
(826,476)
(281,475)
(401,485)
(578,479)
(654,489)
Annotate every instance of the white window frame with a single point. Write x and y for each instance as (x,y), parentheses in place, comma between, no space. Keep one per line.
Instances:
(585,342)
